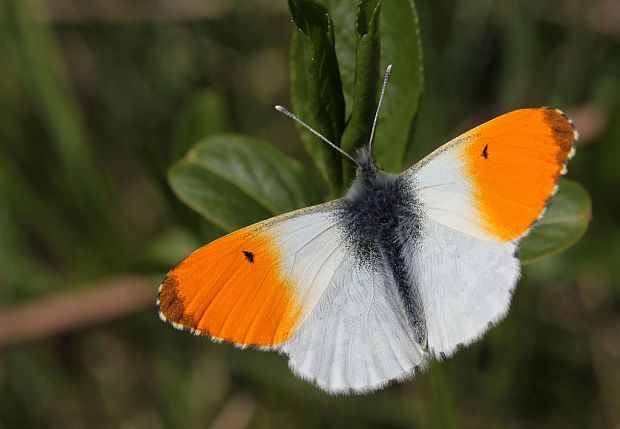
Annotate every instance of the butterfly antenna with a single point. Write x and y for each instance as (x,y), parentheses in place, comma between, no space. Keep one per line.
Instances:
(313,131)
(386,78)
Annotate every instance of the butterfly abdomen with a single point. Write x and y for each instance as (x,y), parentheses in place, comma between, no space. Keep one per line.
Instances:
(379,214)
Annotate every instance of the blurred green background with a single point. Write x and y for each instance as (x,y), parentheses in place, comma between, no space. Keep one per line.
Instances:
(94,102)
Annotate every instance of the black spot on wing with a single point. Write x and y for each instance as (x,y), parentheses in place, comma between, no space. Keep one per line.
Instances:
(249,256)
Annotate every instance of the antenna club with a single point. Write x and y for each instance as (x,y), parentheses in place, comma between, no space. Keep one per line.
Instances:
(386,78)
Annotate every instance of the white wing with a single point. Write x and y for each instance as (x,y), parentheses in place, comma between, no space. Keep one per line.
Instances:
(357,338)
(465,283)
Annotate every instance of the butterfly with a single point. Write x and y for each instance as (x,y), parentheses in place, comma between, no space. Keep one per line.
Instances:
(366,289)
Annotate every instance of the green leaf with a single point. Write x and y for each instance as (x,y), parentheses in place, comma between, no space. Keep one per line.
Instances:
(563,224)
(206,114)
(344,15)
(368,55)
(401,46)
(234,181)
(315,86)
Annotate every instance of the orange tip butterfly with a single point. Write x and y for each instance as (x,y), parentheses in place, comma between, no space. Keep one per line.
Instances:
(365,289)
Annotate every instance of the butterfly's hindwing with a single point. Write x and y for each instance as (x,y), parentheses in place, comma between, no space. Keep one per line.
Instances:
(466,284)
(357,338)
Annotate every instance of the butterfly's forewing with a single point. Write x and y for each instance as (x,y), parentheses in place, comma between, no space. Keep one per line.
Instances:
(479,194)
(254,286)
(495,180)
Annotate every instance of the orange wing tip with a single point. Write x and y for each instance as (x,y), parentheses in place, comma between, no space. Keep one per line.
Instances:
(560,136)
(171,305)
(573,140)
(564,132)
(241,299)
(575,137)
(569,120)
(550,141)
